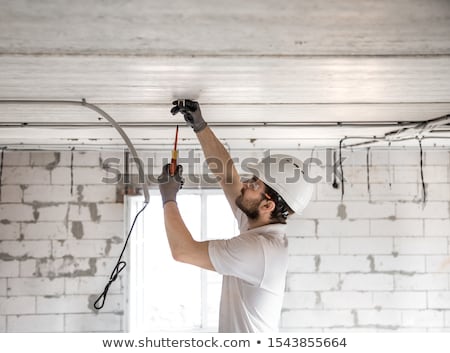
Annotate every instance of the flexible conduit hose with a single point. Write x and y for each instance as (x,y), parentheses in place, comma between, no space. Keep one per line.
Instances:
(120,265)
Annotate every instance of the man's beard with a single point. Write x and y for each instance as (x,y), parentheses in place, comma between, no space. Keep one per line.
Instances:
(250,208)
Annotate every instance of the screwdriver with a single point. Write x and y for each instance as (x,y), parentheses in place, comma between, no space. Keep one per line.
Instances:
(173,161)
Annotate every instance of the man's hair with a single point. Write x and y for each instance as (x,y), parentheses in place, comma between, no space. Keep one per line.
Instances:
(282,210)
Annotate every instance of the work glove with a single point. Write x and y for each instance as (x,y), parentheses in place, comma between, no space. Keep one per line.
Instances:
(191,112)
(169,185)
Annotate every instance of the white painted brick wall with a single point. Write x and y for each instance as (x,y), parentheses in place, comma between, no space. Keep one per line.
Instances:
(377,262)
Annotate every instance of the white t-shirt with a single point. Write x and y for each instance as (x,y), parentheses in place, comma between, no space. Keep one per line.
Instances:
(254,266)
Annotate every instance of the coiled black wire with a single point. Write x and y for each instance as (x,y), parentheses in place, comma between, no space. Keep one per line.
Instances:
(120,265)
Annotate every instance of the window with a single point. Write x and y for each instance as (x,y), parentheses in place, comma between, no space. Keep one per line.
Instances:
(165,295)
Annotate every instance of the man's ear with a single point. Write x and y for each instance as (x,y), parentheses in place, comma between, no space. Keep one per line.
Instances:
(268,206)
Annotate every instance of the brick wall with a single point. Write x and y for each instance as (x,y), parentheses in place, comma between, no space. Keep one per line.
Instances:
(377,260)
(57,247)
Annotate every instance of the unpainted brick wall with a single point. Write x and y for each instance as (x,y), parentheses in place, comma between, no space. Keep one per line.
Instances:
(377,260)
(57,247)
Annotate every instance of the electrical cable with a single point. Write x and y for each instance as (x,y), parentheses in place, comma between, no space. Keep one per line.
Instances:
(120,265)
(424,192)
(368,169)
(71,171)
(341,167)
(1,170)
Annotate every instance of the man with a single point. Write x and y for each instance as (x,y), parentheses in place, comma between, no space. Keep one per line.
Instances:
(253,264)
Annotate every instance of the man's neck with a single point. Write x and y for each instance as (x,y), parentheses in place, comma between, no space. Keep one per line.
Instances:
(255,223)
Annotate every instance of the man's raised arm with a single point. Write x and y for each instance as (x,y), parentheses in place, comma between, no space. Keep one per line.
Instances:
(218,159)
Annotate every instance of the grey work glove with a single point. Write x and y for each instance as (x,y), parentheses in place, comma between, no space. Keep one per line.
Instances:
(191,112)
(169,185)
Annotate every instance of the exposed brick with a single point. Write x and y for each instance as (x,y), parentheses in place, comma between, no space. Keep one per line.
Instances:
(437,227)
(61,176)
(83,159)
(312,282)
(18,305)
(437,263)
(36,323)
(423,318)
(386,318)
(25,248)
(364,210)
(89,175)
(435,174)
(35,286)
(431,209)
(447,318)
(301,227)
(9,269)
(85,248)
(111,211)
(11,193)
(316,318)
(436,157)
(425,282)
(52,212)
(28,268)
(346,300)
(358,174)
(2,323)
(301,263)
(99,193)
(75,304)
(438,192)
(47,193)
(396,228)
(396,192)
(103,230)
(16,158)
(44,230)
(25,175)
(343,228)
(428,245)
(408,263)
(9,231)
(366,245)
(367,282)
(3,286)
(344,263)
(395,157)
(90,285)
(310,246)
(439,300)
(299,300)
(16,212)
(400,300)
(93,322)
(50,159)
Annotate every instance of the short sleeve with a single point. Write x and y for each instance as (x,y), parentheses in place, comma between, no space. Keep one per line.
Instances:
(241,257)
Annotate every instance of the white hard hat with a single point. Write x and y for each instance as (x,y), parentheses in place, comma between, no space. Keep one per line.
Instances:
(285,175)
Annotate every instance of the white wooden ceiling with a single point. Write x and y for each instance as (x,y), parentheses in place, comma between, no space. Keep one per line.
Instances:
(268,74)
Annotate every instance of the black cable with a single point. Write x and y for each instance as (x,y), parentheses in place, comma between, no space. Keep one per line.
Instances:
(71,171)
(120,265)
(368,169)
(424,192)
(340,164)
(1,171)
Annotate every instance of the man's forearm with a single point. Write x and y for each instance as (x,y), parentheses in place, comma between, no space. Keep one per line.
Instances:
(178,234)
